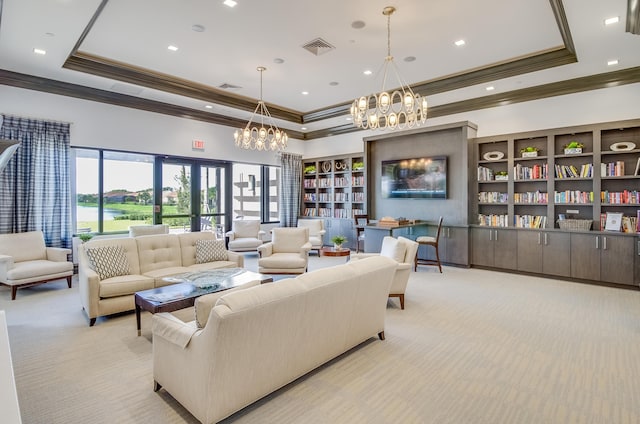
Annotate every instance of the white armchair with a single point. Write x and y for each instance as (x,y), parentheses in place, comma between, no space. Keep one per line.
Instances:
(25,260)
(403,251)
(245,235)
(316,232)
(286,253)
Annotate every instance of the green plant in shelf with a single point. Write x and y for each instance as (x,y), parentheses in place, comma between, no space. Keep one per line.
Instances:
(574,145)
(502,173)
(529,149)
(309,169)
(84,237)
(338,241)
(358,165)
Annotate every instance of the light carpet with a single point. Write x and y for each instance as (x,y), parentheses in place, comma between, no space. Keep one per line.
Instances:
(472,346)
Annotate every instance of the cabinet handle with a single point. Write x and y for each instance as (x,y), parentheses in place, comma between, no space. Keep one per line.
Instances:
(538,238)
(490,235)
(638,247)
(546,239)
(597,242)
(448,232)
(604,243)
(496,235)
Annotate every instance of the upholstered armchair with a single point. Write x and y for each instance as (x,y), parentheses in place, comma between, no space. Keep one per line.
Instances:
(245,235)
(25,260)
(286,253)
(404,252)
(316,232)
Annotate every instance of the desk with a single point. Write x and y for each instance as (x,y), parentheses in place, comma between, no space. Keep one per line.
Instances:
(373,234)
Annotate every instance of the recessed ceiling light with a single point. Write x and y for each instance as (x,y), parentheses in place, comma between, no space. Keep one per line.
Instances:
(49,34)
(349,118)
(334,83)
(612,62)
(278,60)
(368,72)
(39,51)
(409,58)
(357,24)
(197,28)
(490,88)
(208,106)
(303,128)
(305,93)
(460,43)
(173,48)
(611,21)
(230,3)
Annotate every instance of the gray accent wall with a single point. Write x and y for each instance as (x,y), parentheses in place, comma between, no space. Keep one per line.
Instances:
(452,141)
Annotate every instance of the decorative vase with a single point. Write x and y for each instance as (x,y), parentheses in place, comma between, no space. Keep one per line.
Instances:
(573,151)
(529,154)
(337,246)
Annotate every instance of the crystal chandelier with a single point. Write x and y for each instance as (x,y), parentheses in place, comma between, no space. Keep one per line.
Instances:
(400,109)
(261,138)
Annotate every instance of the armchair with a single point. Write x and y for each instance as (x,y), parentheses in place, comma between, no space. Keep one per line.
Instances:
(25,260)
(286,253)
(245,235)
(316,232)
(404,252)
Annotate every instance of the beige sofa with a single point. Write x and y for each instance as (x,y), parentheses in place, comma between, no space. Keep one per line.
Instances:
(262,338)
(25,260)
(149,260)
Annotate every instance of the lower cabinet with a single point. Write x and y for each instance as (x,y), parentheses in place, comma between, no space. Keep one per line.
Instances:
(637,261)
(544,252)
(453,246)
(340,227)
(603,257)
(494,247)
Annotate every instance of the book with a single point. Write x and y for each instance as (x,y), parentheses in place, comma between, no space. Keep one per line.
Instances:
(637,171)
(614,221)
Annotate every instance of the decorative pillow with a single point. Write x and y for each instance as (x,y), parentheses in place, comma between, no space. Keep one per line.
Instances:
(393,249)
(210,251)
(108,261)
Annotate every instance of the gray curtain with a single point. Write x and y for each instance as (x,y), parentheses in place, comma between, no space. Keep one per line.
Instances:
(35,186)
(291,188)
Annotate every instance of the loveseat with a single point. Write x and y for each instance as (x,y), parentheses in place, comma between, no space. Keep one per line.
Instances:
(111,270)
(259,339)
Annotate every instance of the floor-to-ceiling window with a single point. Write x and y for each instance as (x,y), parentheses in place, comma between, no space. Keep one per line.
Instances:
(255,192)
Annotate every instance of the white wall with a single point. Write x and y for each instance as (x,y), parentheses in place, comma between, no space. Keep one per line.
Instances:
(590,107)
(101,125)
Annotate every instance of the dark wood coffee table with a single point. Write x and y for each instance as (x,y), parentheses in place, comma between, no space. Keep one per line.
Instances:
(195,284)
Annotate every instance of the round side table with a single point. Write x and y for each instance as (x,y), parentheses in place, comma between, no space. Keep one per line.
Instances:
(332,251)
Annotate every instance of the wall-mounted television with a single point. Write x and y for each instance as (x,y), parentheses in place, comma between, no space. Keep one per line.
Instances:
(417,178)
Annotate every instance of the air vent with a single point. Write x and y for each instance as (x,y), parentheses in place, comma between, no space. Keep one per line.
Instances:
(227,86)
(318,47)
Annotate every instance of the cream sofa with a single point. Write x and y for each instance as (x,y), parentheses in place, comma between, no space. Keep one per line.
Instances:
(25,260)
(150,259)
(262,338)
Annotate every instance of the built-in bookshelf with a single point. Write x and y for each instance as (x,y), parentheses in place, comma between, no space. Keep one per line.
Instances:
(532,179)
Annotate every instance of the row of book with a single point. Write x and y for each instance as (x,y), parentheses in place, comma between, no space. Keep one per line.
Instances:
(324,182)
(492,197)
(626,224)
(535,172)
(485,174)
(493,220)
(571,171)
(533,197)
(341,182)
(357,197)
(573,196)
(325,212)
(625,197)
(613,169)
(309,183)
(357,181)
(529,221)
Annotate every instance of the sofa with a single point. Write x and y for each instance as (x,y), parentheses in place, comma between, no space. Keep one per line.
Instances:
(259,339)
(25,260)
(111,270)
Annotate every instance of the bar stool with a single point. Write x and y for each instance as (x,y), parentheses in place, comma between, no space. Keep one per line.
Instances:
(429,241)
(361,221)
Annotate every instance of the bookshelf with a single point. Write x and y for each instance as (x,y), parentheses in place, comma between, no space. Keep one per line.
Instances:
(334,189)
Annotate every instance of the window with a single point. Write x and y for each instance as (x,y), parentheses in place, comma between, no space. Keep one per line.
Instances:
(246,191)
(273,202)
(87,190)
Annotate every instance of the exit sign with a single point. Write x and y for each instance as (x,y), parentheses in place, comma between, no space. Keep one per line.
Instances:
(197,145)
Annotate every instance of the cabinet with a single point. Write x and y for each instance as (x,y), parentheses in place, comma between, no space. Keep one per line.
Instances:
(333,188)
(544,252)
(453,246)
(494,247)
(637,260)
(603,257)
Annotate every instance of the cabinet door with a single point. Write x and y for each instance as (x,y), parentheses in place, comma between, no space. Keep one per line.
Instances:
(505,249)
(556,254)
(530,251)
(637,260)
(482,246)
(456,246)
(616,259)
(585,256)
(348,230)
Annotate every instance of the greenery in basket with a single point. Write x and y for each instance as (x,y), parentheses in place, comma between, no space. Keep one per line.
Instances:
(84,237)
(309,169)
(574,145)
(529,149)
(358,165)
(502,173)
(338,240)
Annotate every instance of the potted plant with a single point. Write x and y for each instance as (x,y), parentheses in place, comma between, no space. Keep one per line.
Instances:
(502,175)
(84,237)
(338,241)
(358,166)
(311,169)
(573,148)
(529,152)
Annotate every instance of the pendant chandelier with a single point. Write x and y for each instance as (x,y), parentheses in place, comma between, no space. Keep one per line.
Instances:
(261,138)
(397,110)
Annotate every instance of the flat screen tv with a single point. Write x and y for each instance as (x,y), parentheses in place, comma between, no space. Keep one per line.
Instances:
(418,178)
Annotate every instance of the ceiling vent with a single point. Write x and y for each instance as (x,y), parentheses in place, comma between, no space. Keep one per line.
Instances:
(227,86)
(318,47)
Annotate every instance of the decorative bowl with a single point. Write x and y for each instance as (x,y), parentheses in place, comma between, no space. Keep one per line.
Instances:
(622,146)
(493,156)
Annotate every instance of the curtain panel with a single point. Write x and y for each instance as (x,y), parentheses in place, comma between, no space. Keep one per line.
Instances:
(291,188)
(35,185)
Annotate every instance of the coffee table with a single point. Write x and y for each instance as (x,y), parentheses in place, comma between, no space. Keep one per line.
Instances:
(332,251)
(190,286)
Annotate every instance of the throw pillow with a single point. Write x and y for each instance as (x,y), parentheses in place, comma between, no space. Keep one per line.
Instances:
(108,261)
(210,251)
(393,249)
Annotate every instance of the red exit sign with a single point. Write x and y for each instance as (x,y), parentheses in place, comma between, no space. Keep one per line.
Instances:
(197,145)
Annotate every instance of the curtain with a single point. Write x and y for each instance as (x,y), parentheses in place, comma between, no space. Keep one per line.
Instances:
(291,188)
(35,185)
